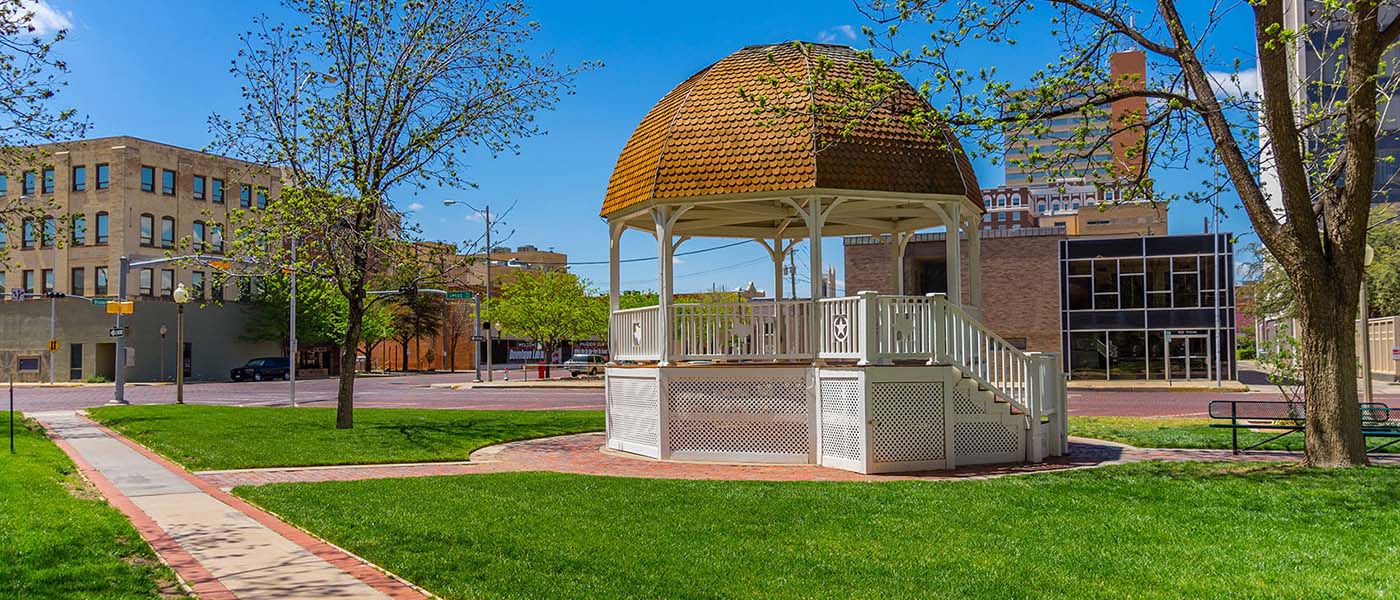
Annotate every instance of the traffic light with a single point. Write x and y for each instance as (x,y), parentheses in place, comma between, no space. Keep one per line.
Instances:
(408,290)
(54,294)
(485,325)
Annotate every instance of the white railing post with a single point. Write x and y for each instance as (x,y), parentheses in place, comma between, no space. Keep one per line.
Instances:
(1060,397)
(869,327)
(941,330)
(1037,387)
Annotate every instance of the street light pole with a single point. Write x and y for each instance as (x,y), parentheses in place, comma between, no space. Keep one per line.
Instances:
(182,295)
(119,393)
(486,215)
(292,329)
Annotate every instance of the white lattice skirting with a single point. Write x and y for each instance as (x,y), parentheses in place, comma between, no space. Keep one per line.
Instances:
(873,419)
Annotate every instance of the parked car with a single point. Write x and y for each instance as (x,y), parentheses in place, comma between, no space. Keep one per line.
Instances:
(588,364)
(262,369)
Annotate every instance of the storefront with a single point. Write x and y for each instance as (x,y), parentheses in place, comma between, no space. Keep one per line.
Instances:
(1148,307)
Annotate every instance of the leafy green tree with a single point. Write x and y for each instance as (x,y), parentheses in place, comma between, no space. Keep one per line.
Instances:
(1320,150)
(417,316)
(321,311)
(357,99)
(549,308)
(376,327)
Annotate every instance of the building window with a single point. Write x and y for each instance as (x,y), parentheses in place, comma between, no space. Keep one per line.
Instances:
(167,182)
(4,235)
(75,283)
(47,277)
(101,228)
(197,282)
(148,179)
(4,185)
(245,195)
(103,179)
(216,238)
(27,364)
(144,282)
(50,233)
(218,191)
(167,232)
(197,232)
(27,233)
(27,279)
(27,187)
(99,281)
(1185,283)
(167,282)
(197,185)
(80,178)
(48,180)
(262,198)
(1001,216)
(2,282)
(79,230)
(148,229)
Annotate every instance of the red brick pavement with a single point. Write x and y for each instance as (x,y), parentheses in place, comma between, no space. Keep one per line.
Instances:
(582,454)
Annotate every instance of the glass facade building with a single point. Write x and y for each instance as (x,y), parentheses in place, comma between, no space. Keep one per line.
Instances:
(1158,307)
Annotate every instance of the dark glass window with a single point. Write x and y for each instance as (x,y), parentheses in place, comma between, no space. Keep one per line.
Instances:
(167,182)
(148,230)
(75,282)
(1185,290)
(1105,276)
(102,228)
(198,187)
(80,178)
(50,233)
(1081,293)
(216,237)
(28,281)
(48,281)
(197,283)
(1127,354)
(79,230)
(27,187)
(104,180)
(197,233)
(1088,355)
(4,234)
(148,179)
(1131,292)
(1081,267)
(167,282)
(245,195)
(218,191)
(27,233)
(262,198)
(1159,273)
(4,185)
(144,282)
(99,281)
(167,232)
(48,180)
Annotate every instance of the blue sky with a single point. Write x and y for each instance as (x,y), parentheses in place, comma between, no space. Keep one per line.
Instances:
(157,70)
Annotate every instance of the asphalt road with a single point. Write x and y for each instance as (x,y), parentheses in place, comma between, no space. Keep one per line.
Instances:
(413,391)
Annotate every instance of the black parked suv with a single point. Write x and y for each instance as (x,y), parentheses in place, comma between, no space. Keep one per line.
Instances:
(261,369)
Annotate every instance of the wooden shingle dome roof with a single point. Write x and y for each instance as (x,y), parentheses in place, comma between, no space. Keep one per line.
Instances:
(705,139)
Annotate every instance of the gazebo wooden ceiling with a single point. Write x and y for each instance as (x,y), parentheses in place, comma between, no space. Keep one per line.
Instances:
(738,173)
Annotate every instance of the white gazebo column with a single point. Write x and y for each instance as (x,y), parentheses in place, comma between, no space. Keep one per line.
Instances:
(952,248)
(663,217)
(974,264)
(614,266)
(900,241)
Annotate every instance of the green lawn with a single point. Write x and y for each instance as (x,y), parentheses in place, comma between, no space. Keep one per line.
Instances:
(60,539)
(1147,530)
(1160,432)
(227,437)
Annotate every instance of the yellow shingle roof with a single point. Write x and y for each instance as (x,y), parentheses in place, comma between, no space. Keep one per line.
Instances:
(704,138)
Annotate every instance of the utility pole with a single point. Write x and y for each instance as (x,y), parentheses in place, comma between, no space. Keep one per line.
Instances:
(792,274)
(490,360)
(291,330)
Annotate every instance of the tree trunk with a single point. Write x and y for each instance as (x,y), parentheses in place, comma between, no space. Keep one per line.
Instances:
(1327,345)
(345,394)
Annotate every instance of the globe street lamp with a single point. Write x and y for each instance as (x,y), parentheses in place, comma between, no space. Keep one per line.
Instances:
(182,296)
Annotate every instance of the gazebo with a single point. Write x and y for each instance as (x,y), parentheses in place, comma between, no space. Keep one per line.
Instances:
(869,382)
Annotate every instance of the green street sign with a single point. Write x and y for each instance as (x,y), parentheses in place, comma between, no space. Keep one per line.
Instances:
(459,295)
(101,301)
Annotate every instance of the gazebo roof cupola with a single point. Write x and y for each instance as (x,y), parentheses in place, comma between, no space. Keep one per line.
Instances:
(704,143)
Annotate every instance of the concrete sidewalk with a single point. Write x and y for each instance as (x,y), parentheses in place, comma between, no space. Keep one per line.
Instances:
(244,556)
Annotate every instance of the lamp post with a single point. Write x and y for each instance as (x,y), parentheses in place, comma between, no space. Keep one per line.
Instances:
(485,212)
(163,331)
(1366,328)
(182,296)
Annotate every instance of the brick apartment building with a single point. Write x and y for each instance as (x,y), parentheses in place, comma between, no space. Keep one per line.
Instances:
(133,197)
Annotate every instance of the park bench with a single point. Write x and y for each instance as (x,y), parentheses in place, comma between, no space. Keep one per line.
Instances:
(1377,420)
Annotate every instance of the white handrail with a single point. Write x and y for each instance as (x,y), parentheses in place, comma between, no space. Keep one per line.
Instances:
(984,356)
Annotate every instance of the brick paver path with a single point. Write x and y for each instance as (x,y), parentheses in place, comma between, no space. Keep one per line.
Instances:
(583,454)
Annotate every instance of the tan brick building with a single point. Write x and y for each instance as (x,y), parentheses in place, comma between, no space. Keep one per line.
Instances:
(124,196)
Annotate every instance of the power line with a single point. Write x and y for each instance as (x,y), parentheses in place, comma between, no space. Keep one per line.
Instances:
(626,260)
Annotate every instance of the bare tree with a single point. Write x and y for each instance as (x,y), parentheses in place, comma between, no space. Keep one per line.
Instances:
(361,98)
